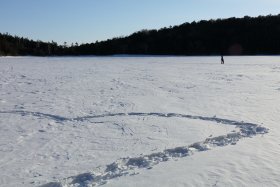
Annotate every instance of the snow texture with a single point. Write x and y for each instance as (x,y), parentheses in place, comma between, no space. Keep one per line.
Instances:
(123,121)
(127,166)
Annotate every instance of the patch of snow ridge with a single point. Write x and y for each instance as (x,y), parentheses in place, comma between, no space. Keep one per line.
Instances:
(130,166)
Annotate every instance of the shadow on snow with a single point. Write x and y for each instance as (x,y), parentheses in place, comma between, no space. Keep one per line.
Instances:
(128,166)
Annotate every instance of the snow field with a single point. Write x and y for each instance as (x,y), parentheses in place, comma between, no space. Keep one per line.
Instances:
(92,121)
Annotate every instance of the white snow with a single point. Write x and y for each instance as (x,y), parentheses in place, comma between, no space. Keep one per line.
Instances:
(139,121)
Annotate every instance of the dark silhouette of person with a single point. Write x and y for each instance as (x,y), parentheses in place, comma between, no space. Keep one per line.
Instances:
(222,59)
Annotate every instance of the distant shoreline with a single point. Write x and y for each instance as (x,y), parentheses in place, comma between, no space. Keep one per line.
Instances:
(133,56)
(233,36)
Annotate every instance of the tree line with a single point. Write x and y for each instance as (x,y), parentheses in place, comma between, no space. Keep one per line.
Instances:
(232,36)
(14,46)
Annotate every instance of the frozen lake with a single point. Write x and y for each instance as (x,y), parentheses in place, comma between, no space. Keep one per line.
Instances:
(139,121)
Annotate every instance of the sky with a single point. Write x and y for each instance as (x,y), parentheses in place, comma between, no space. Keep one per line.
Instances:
(86,21)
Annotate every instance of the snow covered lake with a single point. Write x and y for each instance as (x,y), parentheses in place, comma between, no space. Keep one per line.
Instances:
(139,121)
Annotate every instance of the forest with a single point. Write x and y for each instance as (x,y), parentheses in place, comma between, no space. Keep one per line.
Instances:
(232,36)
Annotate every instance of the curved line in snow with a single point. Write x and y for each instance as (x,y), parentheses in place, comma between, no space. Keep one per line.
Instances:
(129,166)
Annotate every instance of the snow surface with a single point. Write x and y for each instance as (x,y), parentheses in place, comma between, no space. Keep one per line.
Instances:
(139,121)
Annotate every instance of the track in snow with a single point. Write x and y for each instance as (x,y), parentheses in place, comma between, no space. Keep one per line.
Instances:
(130,166)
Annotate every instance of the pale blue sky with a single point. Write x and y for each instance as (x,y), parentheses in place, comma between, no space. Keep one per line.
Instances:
(90,20)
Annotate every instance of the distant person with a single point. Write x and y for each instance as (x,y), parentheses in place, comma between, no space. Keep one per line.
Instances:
(222,59)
